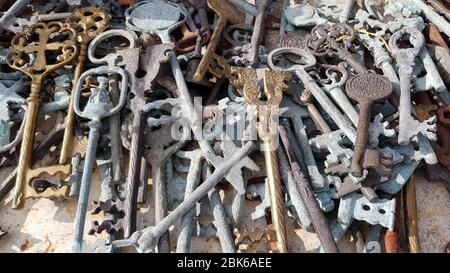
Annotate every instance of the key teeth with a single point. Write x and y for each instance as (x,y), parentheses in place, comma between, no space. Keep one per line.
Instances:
(427,128)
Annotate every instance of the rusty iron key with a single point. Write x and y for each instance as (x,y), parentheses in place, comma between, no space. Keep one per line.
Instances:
(273,81)
(306,191)
(226,13)
(365,89)
(22,46)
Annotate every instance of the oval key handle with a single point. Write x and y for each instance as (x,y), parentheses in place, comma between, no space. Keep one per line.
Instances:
(415,38)
(112,57)
(368,87)
(276,54)
(157,17)
(99,114)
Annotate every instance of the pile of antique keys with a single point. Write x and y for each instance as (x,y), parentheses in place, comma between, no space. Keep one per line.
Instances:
(319,110)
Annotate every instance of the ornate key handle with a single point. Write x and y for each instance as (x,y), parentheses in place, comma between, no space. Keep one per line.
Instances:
(91,21)
(112,58)
(278,59)
(101,107)
(333,39)
(157,17)
(272,90)
(37,41)
(408,125)
(22,46)
(405,56)
(365,89)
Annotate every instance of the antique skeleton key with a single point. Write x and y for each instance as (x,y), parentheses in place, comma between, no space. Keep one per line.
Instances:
(22,47)
(338,75)
(113,59)
(140,86)
(365,89)
(274,85)
(98,107)
(408,126)
(92,21)
(258,32)
(226,13)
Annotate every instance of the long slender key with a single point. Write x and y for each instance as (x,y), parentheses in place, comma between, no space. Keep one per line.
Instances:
(276,61)
(410,210)
(92,21)
(98,107)
(365,89)
(112,59)
(146,240)
(140,86)
(38,153)
(247,78)
(226,13)
(408,126)
(22,45)
(305,188)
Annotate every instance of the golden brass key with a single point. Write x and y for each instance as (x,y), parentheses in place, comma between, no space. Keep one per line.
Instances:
(273,81)
(38,51)
(92,21)
(226,13)
(89,22)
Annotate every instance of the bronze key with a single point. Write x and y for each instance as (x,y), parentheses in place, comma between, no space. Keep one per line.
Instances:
(226,13)
(21,48)
(247,78)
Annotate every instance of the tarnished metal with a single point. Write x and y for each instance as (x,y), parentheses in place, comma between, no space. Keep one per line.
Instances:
(226,13)
(365,89)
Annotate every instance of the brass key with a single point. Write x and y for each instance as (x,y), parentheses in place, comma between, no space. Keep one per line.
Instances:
(90,22)
(226,13)
(22,46)
(247,79)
